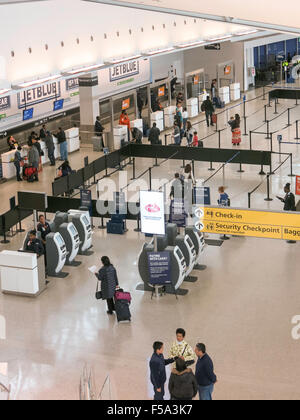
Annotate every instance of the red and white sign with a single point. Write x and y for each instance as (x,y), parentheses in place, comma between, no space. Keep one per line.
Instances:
(297,185)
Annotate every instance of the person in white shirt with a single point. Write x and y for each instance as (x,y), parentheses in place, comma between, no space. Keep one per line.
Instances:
(185,116)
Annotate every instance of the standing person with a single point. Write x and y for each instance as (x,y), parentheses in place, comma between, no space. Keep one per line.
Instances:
(50,147)
(189,133)
(205,376)
(154,135)
(63,144)
(158,374)
(99,130)
(182,384)
(43,132)
(214,88)
(18,160)
(65,169)
(109,281)
(185,116)
(124,120)
(37,145)
(34,244)
(195,139)
(140,103)
(12,143)
(180,348)
(44,228)
(177,188)
(209,109)
(236,130)
(176,134)
(224,198)
(189,172)
(289,203)
(34,159)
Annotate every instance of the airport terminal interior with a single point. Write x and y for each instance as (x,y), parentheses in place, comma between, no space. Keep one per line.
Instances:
(106,112)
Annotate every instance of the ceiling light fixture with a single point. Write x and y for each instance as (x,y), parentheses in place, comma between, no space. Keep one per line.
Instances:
(190,44)
(249,32)
(40,81)
(220,38)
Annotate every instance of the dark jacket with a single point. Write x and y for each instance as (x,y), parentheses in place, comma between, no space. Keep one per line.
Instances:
(49,143)
(205,371)
(38,148)
(43,133)
(98,128)
(289,202)
(33,157)
(154,135)
(35,246)
(137,135)
(158,369)
(45,230)
(183,385)
(18,157)
(208,107)
(61,137)
(109,281)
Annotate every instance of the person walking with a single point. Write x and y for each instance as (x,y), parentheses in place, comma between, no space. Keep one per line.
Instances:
(158,374)
(236,130)
(180,348)
(154,135)
(107,275)
(182,384)
(177,188)
(63,145)
(99,130)
(18,161)
(50,147)
(205,376)
(34,159)
(185,116)
(209,109)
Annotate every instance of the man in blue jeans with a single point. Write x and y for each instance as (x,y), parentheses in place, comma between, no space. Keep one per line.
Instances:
(158,370)
(205,375)
(63,145)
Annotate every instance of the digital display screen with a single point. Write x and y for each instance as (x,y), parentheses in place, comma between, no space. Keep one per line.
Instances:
(73,230)
(152,208)
(179,253)
(85,220)
(189,241)
(58,105)
(60,240)
(28,114)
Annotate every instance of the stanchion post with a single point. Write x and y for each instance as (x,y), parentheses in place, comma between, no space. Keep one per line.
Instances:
(268,189)
(106,172)
(193,166)
(289,117)
(276,112)
(268,130)
(244,108)
(241,169)
(133,169)
(219,139)
(183,164)
(264,93)
(271,142)
(249,200)
(245,126)
(265,113)
(150,179)
(250,138)
(166,141)
(297,130)
(211,167)
(291,162)
(102,226)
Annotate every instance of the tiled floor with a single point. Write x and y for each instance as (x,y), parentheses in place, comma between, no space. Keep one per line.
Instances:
(242,306)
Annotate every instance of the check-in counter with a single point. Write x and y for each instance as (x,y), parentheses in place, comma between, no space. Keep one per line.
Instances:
(73,140)
(158,118)
(8,167)
(192,107)
(235,91)
(120,135)
(22,273)
(224,94)
(169,114)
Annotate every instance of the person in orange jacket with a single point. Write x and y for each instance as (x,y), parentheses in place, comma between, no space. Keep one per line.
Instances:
(124,120)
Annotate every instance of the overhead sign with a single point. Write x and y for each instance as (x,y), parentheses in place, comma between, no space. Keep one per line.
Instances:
(4,103)
(159,264)
(72,84)
(177,212)
(39,94)
(152,209)
(202,196)
(297,185)
(126,104)
(213,47)
(250,223)
(124,77)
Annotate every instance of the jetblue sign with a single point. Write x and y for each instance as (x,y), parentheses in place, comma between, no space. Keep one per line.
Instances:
(72,84)
(122,71)
(39,94)
(4,103)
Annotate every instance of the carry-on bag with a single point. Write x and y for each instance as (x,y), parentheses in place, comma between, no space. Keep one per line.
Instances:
(122,310)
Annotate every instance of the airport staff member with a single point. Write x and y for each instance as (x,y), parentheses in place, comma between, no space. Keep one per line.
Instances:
(44,228)
(289,199)
(99,130)
(158,374)
(34,244)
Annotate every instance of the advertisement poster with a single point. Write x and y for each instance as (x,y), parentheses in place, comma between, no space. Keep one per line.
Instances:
(152,209)
(177,213)
(161,91)
(126,104)
(202,196)
(159,268)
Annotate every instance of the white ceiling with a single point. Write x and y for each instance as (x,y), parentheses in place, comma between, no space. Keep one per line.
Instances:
(272,14)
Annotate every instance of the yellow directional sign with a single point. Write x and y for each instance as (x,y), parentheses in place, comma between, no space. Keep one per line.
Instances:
(252,223)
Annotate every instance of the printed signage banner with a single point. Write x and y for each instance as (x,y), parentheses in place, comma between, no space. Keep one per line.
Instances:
(86,199)
(159,264)
(161,91)
(297,185)
(202,196)
(4,103)
(177,213)
(152,212)
(126,104)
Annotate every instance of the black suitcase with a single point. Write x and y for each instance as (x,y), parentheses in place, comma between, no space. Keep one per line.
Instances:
(122,310)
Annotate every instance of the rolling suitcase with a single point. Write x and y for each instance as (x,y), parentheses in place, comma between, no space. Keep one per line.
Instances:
(122,302)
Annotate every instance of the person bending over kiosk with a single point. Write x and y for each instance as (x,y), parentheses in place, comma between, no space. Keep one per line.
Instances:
(109,281)
(34,244)
(137,135)
(180,348)
(158,374)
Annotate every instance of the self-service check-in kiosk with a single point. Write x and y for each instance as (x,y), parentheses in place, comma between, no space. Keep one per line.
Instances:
(199,244)
(56,251)
(187,248)
(82,223)
(178,270)
(22,273)
(71,237)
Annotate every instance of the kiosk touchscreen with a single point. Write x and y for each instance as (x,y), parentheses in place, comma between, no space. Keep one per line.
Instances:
(82,223)
(187,248)
(179,257)
(199,244)
(56,255)
(70,235)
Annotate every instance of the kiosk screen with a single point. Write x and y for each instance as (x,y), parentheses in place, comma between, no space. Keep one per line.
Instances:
(60,241)
(179,253)
(73,230)
(86,222)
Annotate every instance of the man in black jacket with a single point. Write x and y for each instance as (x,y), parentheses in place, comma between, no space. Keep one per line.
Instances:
(154,135)
(209,109)
(205,375)
(99,130)
(158,370)
(34,244)
(62,141)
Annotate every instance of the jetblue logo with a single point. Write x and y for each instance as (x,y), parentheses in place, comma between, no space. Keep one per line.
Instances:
(39,94)
(122,71)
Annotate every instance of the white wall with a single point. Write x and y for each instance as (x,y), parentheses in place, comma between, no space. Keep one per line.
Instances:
(162,66)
